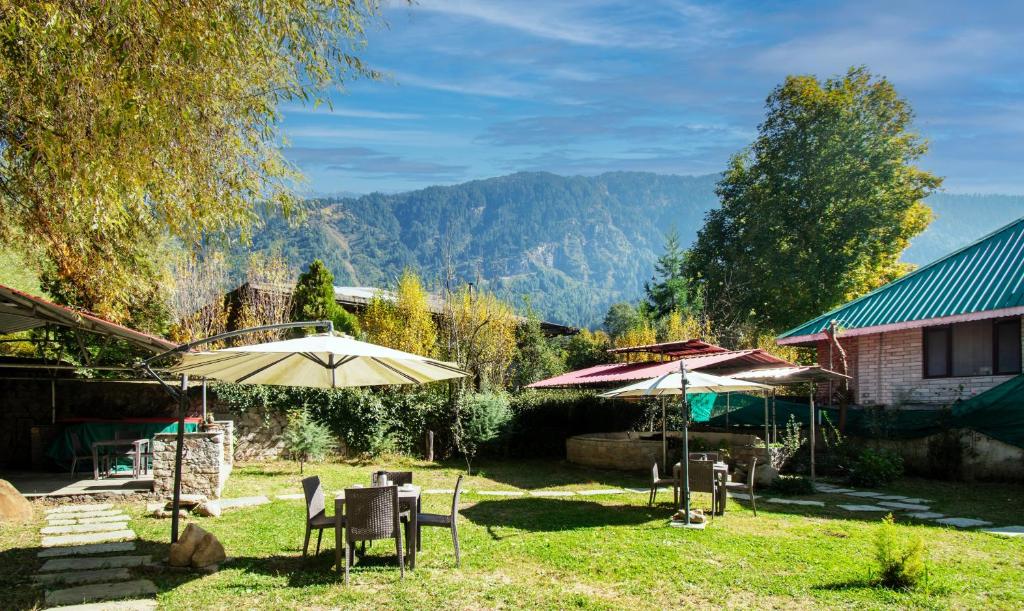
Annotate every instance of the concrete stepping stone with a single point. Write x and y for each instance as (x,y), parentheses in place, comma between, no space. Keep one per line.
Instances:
(638,490)
(795,502)
(743,496)
(85,538)
(599,492)
(1007,531)
(864,494)
(85,550)
(918,501)
(92,564)
(442,491)
(83,528)
(84,515)
(141,604)
(120,517)
(926,515)
(501,493)
(963,522)
(81,577)
(290,497)
(100,592)
(835,490)
(905,506)
(548,493)
(243,501)
(864,508)
(79,508)
(893,497)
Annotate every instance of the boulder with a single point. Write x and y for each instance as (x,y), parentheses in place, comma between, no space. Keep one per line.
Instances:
(208,552)
(189,500)
(167,513)
(765,475)
(181,552)
(209,509)
(13,506)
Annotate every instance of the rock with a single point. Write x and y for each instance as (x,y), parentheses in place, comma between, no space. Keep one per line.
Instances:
(208,552)
(209,509)
(155,507)
(190,500)
(765,475)
(13,506)
(167,513)
(181,552)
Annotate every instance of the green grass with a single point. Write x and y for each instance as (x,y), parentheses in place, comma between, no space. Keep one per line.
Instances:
(588,552)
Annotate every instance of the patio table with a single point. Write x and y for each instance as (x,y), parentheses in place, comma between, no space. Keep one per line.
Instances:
(408,500)
(721,471)
(137,444)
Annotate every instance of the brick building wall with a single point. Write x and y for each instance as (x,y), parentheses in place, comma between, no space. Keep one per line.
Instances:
(887,369)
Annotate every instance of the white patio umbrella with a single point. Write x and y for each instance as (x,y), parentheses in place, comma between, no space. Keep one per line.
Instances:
(321,361)
(679,384)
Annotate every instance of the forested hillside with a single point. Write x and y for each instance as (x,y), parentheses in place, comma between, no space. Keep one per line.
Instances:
(572,245)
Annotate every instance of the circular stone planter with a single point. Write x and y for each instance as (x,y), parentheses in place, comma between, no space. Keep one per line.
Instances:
(632,451)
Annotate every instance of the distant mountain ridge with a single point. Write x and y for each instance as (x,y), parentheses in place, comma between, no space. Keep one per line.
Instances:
(571,244)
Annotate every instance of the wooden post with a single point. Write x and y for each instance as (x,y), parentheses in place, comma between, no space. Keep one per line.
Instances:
(430,446)
(813,427)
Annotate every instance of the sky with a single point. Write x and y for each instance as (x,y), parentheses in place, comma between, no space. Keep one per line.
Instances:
(480,89)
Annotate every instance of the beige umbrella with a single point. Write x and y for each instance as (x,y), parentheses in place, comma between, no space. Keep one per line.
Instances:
(321,361)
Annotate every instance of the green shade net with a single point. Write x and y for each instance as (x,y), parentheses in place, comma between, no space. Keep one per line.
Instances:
(998,412)
(701,405)
(61,450)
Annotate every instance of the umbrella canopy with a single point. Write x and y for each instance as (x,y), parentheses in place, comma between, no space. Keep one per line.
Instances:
(672,384)
(322,361)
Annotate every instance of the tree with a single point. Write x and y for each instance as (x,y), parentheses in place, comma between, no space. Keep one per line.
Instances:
(819,208)
(123,122)
(482,418)
(642,334)
(587,348)
(679,326)
(313,299)
(536,358)
(196,286)
(669,290)
(480,334)
(306,439)
(264,300)
(621,317)
(402,321)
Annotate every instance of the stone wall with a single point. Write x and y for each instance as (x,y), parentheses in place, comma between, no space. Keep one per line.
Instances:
(204,466)
(630,451)
(984,458)
(257,437)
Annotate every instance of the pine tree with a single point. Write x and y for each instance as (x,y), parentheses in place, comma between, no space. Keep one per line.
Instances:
(313,299)
(669,289)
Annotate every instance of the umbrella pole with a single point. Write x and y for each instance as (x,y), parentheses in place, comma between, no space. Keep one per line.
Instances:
(727,408)
(686,445)
(664,437)
(813,423)
(180,440)
(766,438)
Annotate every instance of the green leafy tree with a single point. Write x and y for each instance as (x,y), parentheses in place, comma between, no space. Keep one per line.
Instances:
(313,299)
(537,358)
(819,208)
(622,317)
(123,122)
(481,419)
(669,290)
(305,439)
(587,348)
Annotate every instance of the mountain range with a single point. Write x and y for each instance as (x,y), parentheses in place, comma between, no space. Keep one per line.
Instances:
(570,245)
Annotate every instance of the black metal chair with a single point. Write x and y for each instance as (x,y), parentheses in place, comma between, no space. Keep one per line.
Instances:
(316,512)
(443,521)
(747,487)
(657,480)
(78,452)
(370,514)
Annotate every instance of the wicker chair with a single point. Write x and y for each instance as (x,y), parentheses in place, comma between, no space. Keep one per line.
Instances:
(316,512)
(78,452)
(702,479)
(443,521)
(747,487)
(657,480)
(395,478)
(370,514)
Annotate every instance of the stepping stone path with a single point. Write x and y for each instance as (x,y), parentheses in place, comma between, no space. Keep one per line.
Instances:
(905,506)
(501,493)
(78,568)
(544,493)
(864,508)
(288,497)
(795,502)
(1007,531)
(598,492)
(926,515)
(963,522)
(243,501)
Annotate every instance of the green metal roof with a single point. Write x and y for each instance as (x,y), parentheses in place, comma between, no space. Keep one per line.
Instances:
(985,276)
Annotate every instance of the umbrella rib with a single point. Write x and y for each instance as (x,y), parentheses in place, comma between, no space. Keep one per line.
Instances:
(347,359)
(227,357)
(315,359)
(403,374)
(445,366)
(264,368)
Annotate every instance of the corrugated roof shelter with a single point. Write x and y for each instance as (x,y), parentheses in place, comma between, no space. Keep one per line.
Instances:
(20,312)
(982,280)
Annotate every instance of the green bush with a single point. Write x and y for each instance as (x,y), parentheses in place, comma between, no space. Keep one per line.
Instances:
(483,418)
(543,420)
(306,439)
(900,562)
(792,485)
(875,468)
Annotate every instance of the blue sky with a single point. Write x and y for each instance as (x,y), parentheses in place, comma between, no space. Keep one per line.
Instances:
(480,89)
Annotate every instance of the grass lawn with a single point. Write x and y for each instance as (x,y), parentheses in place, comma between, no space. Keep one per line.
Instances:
(608,551)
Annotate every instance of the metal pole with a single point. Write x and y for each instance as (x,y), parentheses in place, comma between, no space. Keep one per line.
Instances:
(775,420)
(204,400)
(180,440)
(813,427)
(766,438)
(53,401)
(664,437)
(728,407)
(686,443)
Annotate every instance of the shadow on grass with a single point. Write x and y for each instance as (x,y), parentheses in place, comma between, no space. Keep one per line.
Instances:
(531,474)
(549,515)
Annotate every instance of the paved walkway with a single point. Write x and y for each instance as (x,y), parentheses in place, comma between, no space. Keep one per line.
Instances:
(87,560)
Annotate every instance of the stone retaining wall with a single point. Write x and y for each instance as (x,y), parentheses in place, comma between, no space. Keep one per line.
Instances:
(204,466)
(630,451)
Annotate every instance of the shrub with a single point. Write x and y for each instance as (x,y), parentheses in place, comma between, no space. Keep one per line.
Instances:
(781,453)
(482,419)
(900,561)
(792,485)
(306,439)
(543,420)
(875,468)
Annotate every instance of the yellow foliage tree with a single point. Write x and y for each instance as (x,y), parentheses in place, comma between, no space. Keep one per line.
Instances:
(480,335)
(639,335)
(677,326)
(403,321)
